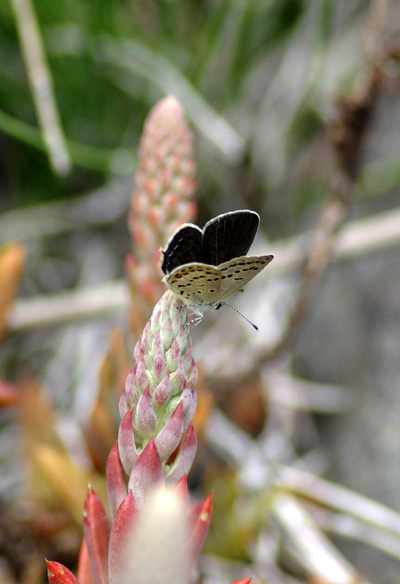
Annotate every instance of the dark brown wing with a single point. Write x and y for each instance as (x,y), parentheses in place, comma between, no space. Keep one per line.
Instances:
(229,236)
(184,247)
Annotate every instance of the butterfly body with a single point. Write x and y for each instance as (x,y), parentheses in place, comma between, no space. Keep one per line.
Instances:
(204,267)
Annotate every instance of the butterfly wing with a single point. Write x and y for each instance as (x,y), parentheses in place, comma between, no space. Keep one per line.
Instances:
(184,246)
(229,236)
(195,283)
(237,272)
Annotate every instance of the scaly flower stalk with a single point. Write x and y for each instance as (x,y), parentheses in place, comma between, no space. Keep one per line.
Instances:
(156,440)
(161,201)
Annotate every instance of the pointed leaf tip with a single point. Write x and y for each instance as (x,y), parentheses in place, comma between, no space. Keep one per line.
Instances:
(170,435)
(59,574)
(115,479)
(182,489)
(84,572)
(146,474)
(97,534)
(121,530)
(201,520)
(126,442)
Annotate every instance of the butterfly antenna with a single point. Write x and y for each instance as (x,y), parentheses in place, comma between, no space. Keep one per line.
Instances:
(242,315)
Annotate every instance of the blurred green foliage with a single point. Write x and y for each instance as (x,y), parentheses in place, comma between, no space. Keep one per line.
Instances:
(263,67)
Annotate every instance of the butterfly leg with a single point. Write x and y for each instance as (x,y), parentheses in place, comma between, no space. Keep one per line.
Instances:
(198,317)
(196,321)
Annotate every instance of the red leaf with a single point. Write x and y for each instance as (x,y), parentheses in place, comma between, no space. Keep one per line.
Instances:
(84,570)
(126,442)
(59,574)
(115,479)
(181,488)
(201,521)
(146,474)
(184,459)
(120,532)
(97,535)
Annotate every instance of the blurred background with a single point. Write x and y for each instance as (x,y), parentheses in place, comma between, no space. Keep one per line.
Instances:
(295,112)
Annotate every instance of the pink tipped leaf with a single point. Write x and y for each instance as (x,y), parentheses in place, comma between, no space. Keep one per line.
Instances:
(182,489)
(130,387)
(178,378)
(166,333)
(162,392)
(145,418)
(126,442)
(189,402)
(84,570)
(97,534)
(115,479)
(183,462)
(159,365)
(146,474)
(175,354)
(121,529)
(141,379)
(200,520)
(59,574)
(157,344)
(170,435)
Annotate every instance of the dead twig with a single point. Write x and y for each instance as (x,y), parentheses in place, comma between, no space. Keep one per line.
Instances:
(357,238)
(346,132)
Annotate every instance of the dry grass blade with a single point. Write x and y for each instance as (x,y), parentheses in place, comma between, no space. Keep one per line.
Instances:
(356,239)
(41,85)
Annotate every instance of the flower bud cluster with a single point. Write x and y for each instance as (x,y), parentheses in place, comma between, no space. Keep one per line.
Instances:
(161,201)
(159,400)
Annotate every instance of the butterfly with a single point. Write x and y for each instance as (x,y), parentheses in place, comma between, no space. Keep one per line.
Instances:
(204,267)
